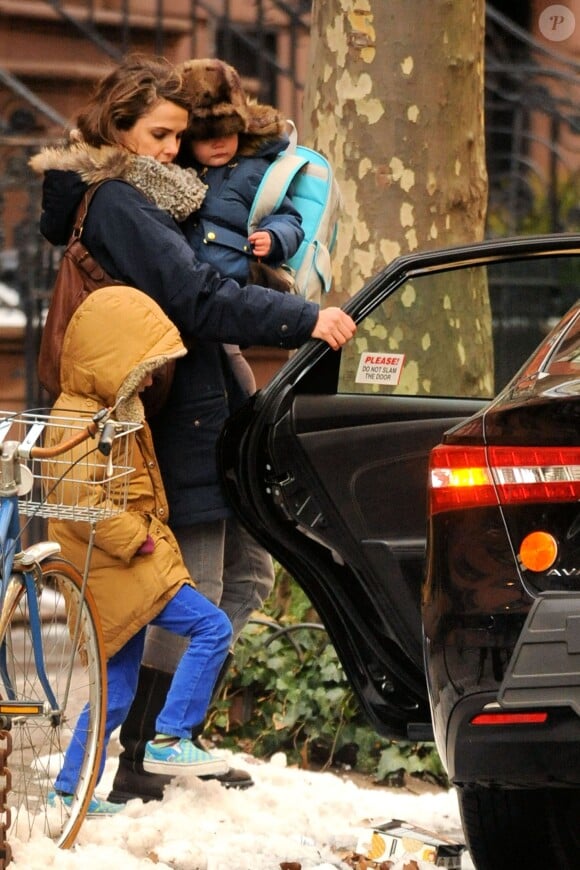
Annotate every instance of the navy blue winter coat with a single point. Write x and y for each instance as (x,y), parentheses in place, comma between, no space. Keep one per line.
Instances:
(218,231)
(140,244)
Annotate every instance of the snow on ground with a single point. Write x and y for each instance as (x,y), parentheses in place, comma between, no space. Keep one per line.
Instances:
(289,814)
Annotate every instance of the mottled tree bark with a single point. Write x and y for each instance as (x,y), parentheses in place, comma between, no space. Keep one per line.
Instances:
(395,100)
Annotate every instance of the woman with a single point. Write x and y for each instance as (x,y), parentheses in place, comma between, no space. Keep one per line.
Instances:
(131,130)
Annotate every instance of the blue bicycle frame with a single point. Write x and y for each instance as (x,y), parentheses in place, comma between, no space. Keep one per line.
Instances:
(9,560)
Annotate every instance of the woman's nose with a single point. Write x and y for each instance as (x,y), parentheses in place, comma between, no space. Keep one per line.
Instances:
(172,148)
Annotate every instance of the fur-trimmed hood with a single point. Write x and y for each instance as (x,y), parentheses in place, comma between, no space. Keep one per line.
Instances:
(173,189)
(115,338)
(220,106)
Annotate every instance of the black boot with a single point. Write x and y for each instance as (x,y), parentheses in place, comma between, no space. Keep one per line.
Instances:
(233,777)
(131,780)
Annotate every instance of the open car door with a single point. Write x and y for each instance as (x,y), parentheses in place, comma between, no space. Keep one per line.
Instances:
(327,465)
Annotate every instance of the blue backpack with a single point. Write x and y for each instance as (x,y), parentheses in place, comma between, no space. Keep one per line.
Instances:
(307,178)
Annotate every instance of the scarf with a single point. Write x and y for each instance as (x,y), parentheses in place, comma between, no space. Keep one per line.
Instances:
(173,189)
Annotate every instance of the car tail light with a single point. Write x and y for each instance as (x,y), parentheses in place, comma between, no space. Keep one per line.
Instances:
(536,718)
(462,477)
(459,478)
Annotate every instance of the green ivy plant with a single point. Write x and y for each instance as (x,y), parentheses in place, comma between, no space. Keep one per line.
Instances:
(286,692)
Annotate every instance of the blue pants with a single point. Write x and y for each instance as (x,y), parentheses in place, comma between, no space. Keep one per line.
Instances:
(188,614)
(230,568)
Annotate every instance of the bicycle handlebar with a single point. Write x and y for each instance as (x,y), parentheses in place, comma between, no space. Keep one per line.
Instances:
(48,452)
(105,441)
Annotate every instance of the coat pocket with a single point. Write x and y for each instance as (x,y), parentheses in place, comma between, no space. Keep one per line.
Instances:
(214,234)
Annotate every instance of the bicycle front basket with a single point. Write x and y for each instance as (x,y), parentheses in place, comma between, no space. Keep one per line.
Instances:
(79,484)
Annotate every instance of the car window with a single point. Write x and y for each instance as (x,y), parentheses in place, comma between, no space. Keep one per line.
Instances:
(412,343)
(564,360)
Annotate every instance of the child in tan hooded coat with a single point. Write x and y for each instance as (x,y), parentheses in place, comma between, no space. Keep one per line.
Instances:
(116,339)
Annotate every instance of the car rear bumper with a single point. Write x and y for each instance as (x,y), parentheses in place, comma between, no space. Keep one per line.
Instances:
(543,675)
(544,669)
(519,755)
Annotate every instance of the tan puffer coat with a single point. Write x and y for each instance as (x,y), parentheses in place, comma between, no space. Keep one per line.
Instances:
(116,337)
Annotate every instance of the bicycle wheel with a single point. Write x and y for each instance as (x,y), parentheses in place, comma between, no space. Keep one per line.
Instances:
(77,675)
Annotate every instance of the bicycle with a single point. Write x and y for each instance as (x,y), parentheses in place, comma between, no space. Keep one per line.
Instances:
(52,665)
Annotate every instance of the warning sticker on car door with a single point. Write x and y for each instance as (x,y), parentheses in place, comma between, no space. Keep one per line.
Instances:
(380,368)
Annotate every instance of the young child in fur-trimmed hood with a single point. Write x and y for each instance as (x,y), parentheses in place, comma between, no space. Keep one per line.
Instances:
(231,141)
(114,342)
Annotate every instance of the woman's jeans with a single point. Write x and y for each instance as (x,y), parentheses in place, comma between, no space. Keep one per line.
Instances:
(230,568)
(189,615)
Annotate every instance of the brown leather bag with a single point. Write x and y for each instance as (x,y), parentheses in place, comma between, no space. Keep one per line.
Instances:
(266,276)
(78,275)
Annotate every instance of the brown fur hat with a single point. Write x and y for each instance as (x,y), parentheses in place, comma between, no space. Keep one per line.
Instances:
(220,106)
(218,103)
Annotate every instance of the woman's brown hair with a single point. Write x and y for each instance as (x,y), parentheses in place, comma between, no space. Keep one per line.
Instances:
(126,94)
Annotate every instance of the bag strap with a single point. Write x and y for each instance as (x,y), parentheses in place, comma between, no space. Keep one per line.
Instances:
(76,251)
(83,209)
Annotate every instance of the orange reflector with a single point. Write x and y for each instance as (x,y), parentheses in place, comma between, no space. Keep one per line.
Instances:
(538,551)
(21,708)
(510,719)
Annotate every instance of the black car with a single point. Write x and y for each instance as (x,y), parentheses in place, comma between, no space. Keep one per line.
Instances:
(426,496)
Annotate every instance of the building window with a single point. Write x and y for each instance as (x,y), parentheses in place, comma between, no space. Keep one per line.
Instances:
(253,54)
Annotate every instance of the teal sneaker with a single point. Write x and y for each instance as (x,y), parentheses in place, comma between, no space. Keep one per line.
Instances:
(181,756)
(97,806)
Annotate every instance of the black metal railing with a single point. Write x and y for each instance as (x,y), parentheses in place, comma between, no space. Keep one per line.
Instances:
(88,29)
(533,175)
(237,42)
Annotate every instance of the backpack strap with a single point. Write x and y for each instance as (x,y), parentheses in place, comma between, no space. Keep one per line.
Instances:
(292,136)
(274,187)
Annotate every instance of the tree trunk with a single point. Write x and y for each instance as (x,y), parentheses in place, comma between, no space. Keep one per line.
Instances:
(395,101)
